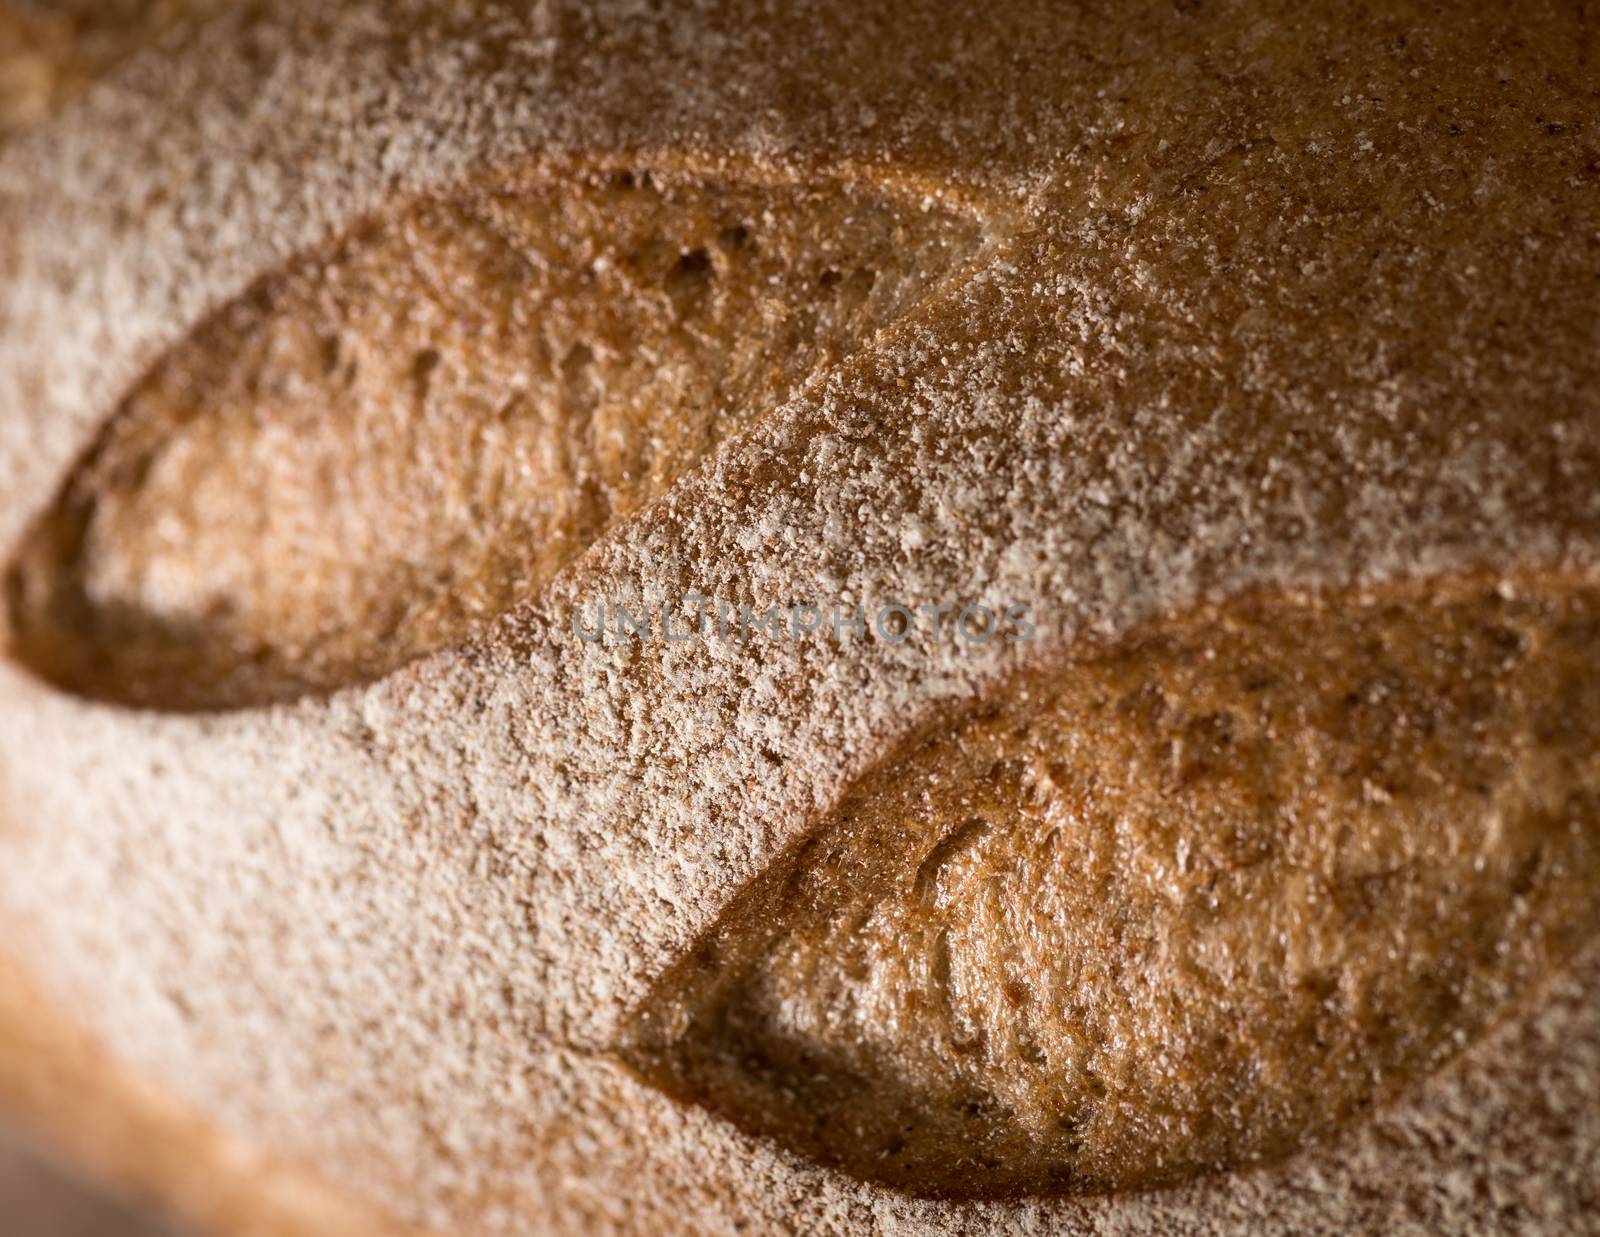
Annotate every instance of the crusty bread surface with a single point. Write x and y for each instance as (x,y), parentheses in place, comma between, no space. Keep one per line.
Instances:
(825,617)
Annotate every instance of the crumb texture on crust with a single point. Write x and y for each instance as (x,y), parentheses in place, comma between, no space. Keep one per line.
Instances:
(1173,910)
(377,451)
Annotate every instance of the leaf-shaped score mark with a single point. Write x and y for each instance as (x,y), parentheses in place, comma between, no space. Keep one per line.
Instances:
(1172,911)
(375,451)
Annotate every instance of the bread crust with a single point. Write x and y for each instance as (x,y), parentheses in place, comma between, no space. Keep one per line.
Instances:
(1294,300)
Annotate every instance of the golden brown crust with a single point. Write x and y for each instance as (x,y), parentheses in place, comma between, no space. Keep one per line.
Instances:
(1285,299)
(436,415)
(1185,906)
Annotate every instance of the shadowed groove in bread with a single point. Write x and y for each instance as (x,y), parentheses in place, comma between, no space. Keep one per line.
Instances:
(376,451)
(1172,910)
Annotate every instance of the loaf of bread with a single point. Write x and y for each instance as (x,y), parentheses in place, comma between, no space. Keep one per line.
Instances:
(831,617)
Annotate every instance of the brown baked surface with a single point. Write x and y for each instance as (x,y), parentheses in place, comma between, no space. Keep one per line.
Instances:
(435,416)
(1228,885)
(347,350)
